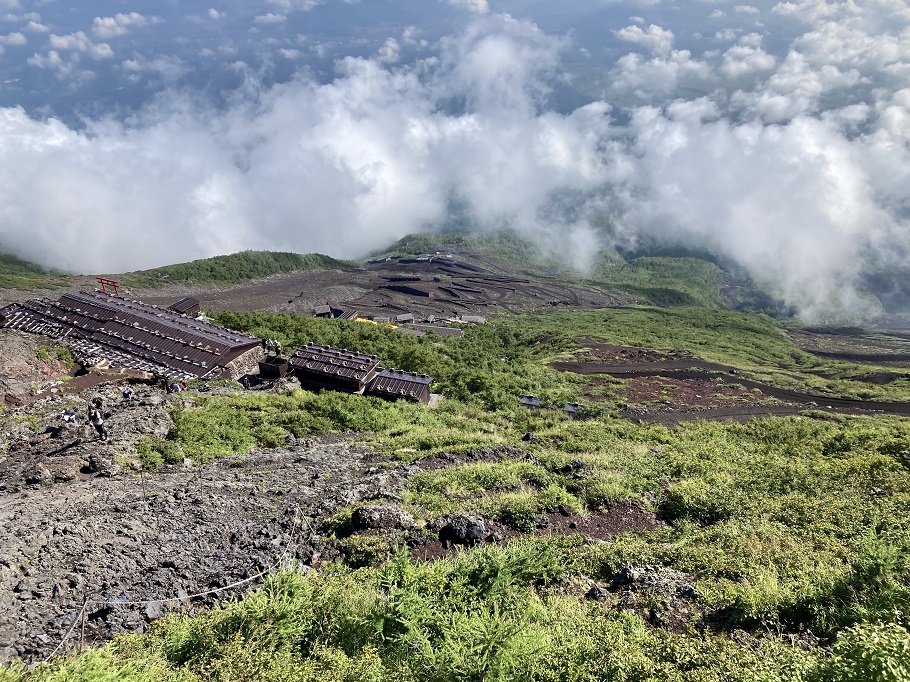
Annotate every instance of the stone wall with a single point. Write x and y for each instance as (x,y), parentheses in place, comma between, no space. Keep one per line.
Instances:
(248,363)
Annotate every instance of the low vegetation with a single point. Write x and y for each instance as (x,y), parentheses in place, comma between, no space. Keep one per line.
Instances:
(506,245)
(16,273)
(792,531)
(786,526)
(61,353)
(233,269)
(662,280)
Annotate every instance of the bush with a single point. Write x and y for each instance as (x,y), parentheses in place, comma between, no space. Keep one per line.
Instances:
(869,652)
(155,452)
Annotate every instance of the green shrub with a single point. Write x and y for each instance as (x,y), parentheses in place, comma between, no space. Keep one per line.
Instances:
(869,652)
(154,452)
(365,550)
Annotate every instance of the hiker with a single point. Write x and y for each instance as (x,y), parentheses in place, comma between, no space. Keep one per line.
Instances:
(175,387)
(96,417)
(128,393)
(182,385)
(277,346)
(68,417)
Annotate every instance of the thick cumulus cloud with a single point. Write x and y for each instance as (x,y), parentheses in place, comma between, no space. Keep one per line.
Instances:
(338,168)
(793,162)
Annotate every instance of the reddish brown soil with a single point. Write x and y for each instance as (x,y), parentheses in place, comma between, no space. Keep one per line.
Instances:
(627,516)
(669,388)
(689,393)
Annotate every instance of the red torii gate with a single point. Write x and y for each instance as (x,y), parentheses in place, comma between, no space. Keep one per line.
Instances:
(105,282)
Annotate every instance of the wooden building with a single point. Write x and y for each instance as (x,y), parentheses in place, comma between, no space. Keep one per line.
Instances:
(188,306)
(122,333)
(336,368)
(396,384)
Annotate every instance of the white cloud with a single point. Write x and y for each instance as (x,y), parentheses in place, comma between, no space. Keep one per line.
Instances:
(215,14)
(655,79)
(339,167)
(36,27)
(13,39)
(290,53)
(745,9)
(117,25)
(79,42)
(742,60)
(167,68)
(390,52)
(655,38)
(27,16)
(287,6)
(51,60)
(410,36)
(270,18)
(477,6)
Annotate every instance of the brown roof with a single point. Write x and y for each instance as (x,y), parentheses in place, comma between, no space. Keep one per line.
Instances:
(334,362)
(131,334)
(395,382)
(184,304)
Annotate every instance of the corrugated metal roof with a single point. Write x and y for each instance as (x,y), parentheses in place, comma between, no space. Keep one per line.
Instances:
(441,331)
(334,362)
(133,334)
(184,304)
(409,330)
(397,383)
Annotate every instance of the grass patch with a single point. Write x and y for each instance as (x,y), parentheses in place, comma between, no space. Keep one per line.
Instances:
(233,269)
(16,273)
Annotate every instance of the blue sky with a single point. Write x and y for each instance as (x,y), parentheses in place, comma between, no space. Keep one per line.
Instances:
(775,134)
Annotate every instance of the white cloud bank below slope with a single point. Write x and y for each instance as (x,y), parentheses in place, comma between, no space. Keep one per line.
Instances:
(798,168)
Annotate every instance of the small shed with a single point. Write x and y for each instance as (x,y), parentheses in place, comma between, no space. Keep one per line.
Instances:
(404,318)
(395,384)
(382,319)
(322,311)
(575,410)
(475,319)
(529,401)
(336,368)
(188,306)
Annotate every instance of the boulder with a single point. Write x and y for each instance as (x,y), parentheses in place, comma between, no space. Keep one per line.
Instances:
(462,529)
(38,475)
(382,517)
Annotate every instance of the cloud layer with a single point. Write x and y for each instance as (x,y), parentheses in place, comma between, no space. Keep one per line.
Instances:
(794,162)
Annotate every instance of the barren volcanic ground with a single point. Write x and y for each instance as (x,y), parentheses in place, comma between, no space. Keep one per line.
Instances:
(445,286)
